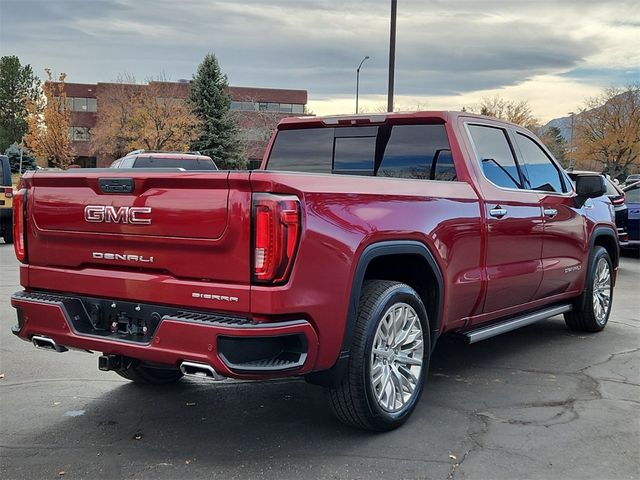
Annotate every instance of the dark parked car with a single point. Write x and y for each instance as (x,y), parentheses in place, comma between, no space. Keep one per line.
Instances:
(617,198)
(185,161)
(6,200)
(632,199)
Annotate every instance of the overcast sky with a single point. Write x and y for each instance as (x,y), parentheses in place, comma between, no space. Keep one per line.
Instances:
(450,53)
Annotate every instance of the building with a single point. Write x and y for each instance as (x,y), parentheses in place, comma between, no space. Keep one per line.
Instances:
(258,111)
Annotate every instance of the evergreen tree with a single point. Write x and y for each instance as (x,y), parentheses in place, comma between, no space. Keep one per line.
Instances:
(556,143)
(17,84)
(28,160)
(210,103)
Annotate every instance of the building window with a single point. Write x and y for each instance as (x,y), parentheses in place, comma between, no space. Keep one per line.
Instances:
(256,134)
(92,105)
(266,107)
(79,104)
(79,134)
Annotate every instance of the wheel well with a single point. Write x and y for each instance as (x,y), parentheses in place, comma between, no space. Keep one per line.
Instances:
(610,245)
(415,271)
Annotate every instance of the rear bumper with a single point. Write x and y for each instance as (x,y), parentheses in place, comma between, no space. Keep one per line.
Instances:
(234,346)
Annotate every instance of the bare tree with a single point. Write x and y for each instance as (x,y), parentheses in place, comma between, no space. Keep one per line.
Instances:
(512,111)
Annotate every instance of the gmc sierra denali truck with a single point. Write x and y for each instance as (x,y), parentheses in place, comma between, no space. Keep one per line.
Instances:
(359,242)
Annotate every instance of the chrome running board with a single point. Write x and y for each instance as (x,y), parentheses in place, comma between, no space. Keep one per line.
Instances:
(489,331)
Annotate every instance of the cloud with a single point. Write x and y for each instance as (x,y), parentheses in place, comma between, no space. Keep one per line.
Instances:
(445,48)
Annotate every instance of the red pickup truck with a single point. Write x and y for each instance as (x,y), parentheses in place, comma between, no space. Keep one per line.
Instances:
(359,242)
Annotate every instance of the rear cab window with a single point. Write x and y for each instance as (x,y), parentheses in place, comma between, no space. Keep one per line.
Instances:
(168,162)
(398,151)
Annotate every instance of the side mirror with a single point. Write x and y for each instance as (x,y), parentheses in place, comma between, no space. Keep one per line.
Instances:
(589,186)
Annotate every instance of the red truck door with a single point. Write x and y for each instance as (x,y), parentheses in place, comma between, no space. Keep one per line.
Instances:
(514,222)
(565,235)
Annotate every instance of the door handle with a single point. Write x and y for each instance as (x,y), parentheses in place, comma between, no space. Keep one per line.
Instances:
(498,212)
(550,212)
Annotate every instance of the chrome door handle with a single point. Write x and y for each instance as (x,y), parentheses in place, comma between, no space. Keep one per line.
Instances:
(498,212)
(550,212)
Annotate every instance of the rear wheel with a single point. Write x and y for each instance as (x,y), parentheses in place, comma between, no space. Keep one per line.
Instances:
(141,373)
(388,360)
(591,312)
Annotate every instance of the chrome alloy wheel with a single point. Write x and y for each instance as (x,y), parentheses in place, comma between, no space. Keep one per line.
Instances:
(396,357)
(601,291)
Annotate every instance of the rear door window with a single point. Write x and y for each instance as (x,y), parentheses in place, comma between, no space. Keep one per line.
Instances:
(495,156)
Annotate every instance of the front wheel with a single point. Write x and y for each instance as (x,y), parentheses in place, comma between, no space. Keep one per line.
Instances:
(388,360)
(591,312)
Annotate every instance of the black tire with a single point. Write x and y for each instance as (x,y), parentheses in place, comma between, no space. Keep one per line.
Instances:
(140,373)
(7,235)
(354,400)
(583,317)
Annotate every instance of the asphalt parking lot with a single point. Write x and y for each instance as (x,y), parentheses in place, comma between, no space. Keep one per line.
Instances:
(540,402)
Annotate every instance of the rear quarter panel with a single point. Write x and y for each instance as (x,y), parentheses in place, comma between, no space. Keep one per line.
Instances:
(344,214)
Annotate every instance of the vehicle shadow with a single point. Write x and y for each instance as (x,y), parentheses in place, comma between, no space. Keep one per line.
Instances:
(260,429)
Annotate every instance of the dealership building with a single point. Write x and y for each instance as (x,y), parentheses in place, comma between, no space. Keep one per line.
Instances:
(257,110)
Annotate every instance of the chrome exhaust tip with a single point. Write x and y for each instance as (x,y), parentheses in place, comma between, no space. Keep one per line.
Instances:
(200,370)
(46,343)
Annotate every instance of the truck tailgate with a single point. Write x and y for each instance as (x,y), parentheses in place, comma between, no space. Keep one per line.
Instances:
(174,224)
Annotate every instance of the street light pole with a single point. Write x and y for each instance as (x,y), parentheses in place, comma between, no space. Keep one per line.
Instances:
(392,54)
(571,160)
(358,80)
(21,150)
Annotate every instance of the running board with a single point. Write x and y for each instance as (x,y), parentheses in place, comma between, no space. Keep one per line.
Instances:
(497,328)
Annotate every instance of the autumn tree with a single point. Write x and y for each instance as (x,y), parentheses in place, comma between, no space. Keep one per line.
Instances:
(607,130)
(512,111)
(17,84)
(153,117)
(48,124)
(211,103)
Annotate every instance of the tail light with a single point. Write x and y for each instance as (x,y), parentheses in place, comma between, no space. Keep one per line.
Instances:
(276,224)
(19,230)
(8,192)
(618,200)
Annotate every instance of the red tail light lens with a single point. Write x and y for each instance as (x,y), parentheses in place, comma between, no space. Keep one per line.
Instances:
(19,234)
(8,192)
(276,220)
(618,200)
